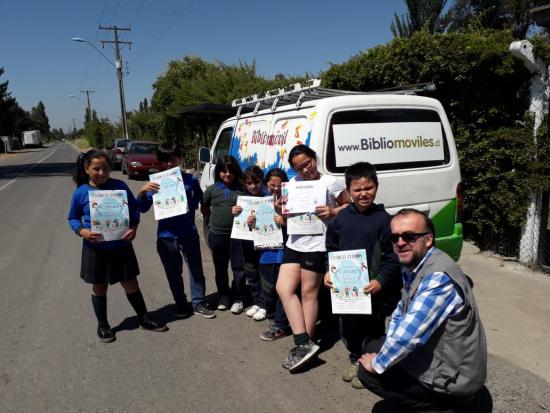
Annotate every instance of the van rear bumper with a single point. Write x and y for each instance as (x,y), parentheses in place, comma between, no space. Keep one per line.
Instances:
(452,244)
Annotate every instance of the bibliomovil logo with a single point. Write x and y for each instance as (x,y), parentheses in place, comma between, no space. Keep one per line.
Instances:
(262,137)
(382,143)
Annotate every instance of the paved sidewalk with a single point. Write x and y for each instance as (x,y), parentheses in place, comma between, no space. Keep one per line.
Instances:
(514,303)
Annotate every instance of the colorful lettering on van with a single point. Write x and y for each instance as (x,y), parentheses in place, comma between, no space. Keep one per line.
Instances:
(259,142)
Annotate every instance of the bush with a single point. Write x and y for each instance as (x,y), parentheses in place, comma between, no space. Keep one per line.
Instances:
(486,95)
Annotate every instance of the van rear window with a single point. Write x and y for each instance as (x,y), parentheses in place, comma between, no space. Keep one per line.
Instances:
(402,138)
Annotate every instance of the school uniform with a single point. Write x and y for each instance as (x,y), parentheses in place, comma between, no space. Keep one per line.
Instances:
(369,230)
(270,263)
(220,199)
(309,250)
(176,237)
(106,262)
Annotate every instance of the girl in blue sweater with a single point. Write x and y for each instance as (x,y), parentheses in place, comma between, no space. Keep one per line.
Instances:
(106,262)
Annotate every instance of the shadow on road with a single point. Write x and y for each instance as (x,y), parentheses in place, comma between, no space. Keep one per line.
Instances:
(40,170)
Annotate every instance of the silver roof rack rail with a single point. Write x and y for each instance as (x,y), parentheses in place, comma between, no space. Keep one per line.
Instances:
(298,93)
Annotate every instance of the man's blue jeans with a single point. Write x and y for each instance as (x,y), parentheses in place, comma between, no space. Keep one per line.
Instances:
(172,252)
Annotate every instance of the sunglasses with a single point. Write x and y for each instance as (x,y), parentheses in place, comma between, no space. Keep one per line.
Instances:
(407,236)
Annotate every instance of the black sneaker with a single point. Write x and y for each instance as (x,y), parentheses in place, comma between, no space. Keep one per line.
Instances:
(183,311)
(302,354)
(152,325)
(105,334)
(201,309)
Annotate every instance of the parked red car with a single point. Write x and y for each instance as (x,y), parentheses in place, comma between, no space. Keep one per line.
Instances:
(140,160)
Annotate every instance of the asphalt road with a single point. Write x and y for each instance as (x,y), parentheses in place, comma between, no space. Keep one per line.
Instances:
(51,360)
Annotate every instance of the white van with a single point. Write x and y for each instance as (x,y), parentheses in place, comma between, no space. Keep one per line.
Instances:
(406,137)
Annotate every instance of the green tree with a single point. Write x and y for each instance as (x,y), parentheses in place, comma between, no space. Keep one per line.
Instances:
(97,131)
(40,119)
(423,15)
(13,119)
(190,81)
(492,14)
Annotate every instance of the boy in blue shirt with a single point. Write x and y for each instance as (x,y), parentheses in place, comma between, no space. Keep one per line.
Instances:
(178,239)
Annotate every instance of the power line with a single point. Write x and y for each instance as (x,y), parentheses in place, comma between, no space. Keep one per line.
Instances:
(114,13)
(90,56)
(137,12)
(176,16)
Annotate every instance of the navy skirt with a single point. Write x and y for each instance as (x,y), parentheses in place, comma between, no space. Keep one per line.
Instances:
(108,266)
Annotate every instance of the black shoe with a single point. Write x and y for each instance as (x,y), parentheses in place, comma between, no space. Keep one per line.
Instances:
(105,334)
(201,309)
(183,311)
(303,353)
(152,325)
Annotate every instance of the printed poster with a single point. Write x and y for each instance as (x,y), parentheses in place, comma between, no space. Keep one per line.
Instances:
(171,199)
(109,213)
(267,234)
(350,274)
(304,224)
(303,196)
(240,228)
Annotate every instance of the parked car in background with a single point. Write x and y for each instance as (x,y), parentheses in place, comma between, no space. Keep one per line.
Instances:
(116,151)
(140,159)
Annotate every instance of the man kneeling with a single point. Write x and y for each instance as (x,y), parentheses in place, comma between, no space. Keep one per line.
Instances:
(434,356)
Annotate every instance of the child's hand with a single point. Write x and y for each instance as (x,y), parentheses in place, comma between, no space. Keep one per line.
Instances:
(323,211)
(373,287)
(251,221)
(328,280)
(205,211)
(148,187)
(236,210)
(130,234)
(279,220)
(90,236)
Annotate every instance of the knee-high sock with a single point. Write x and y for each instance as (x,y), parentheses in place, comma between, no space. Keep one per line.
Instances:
(138,303)
(99,302)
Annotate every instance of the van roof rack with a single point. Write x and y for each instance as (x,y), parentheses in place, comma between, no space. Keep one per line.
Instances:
(298,93)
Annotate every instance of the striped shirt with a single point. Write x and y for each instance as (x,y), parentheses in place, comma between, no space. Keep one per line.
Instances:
(435,300)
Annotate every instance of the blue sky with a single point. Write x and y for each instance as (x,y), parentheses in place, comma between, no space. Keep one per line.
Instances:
(41,61)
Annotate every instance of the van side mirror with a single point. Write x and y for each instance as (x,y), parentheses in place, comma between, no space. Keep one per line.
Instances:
(204,155)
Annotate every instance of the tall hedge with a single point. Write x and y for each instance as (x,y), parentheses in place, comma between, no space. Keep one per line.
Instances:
(485,92)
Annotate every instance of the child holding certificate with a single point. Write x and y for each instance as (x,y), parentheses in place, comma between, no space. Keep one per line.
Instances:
(177,238)
(304,260)
(219,199)
(270,262)
(365,225)
(253,184)
(106,262)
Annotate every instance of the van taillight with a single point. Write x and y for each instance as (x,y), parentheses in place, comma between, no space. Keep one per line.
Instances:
(459,203)
(118,151)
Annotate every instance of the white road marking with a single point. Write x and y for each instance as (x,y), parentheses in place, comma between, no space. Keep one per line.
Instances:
(26,170)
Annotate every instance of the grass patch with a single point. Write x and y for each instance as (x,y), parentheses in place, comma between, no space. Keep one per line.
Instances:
(82,144)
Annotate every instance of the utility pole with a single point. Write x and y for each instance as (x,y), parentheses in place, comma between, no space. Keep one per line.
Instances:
(74,126)
(88,99)
(118,65)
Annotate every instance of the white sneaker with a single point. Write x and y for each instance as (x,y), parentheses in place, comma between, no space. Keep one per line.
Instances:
(260,315)
(252,310)
(237,307)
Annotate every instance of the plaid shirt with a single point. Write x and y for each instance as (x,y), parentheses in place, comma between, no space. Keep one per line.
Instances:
(435,299)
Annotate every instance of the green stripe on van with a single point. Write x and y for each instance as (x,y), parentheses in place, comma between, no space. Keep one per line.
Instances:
(449,232)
